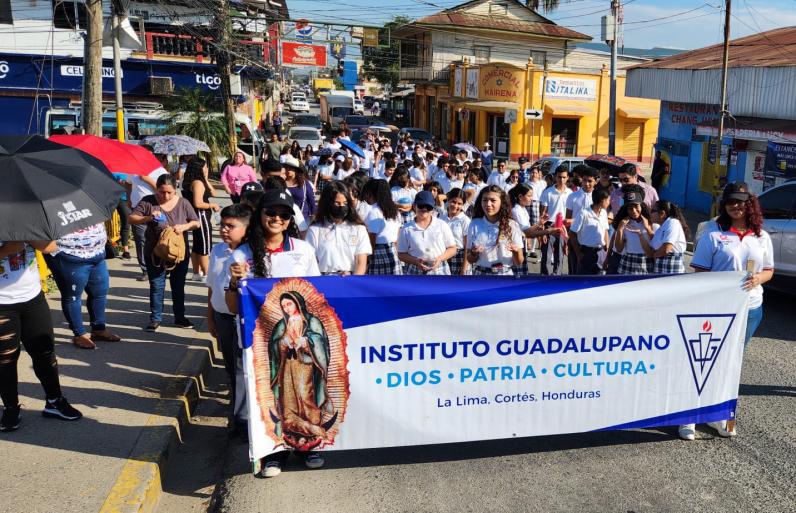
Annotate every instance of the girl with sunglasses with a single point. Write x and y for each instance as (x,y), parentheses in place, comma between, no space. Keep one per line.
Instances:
(426,243)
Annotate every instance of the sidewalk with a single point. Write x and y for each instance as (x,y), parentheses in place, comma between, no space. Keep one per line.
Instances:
(131,393)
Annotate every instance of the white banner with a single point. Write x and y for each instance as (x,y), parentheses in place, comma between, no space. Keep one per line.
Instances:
(360,362)
(569,88)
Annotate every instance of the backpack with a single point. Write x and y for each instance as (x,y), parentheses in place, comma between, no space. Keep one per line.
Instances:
(170,248)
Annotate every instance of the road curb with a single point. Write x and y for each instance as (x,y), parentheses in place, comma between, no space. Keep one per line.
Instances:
(139,485)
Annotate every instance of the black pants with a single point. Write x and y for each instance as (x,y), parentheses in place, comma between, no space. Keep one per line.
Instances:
(588,264)
(139,234)
(29,323)
(227,330)
(124,225)
(553,256)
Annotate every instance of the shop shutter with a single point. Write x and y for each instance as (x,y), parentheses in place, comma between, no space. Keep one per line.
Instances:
(632,140)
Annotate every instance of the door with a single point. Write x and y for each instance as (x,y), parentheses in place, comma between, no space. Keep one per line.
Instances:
(778,208)
(563,137)
(632,137)
(499,135)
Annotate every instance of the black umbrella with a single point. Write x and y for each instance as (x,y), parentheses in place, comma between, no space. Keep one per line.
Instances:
(48,190)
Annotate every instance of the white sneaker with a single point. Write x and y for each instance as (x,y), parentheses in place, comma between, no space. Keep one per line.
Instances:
(272,469)
(721,428)
(313,460)
(687,431)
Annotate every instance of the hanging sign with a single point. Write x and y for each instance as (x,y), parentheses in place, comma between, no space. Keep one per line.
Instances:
(300,54)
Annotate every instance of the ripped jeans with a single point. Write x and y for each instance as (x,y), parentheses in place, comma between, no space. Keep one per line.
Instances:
(73,275)
(29,323)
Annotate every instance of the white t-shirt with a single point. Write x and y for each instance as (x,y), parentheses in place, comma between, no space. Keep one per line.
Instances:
(19,277)
(578,201)
(342,174)
(483,233)
(671,231)
(140,188)
(337,244)
(297,258)
(363,209)
(218,276)
(428,243)
(555,201)
(86,243)
(538,188)
(632,242)
(405,196)
(298,216)
(386,230)
(520,214)
(718,250)
(418,174)
(590,227)
(497,178)
(327,171)
(458,226)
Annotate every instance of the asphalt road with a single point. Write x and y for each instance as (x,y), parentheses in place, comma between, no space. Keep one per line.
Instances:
(648,470)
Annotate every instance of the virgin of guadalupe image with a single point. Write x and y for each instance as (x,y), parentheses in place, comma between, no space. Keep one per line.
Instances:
(299,358)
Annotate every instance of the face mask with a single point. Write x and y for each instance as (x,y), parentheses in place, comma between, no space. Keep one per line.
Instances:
(338,212)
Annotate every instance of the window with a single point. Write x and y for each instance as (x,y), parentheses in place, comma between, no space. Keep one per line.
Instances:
(499,9)
(481,54)
(539,58)
(69,15)
(778,203)
(5,12)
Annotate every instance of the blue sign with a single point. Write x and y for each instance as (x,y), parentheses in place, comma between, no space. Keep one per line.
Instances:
(780,160)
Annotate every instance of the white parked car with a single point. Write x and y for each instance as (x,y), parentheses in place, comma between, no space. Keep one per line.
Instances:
(359,106)
(299,104)
(305,135)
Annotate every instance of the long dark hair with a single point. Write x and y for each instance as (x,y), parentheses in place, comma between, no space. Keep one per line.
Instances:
(255,237)
(622,214)
(295,150)
(396,180)
(518,190)
(504,214)
(672,211)
(379,191)
(194,171)
(329,194)
(753,215)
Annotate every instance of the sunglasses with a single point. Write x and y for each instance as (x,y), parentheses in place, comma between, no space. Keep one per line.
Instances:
(281,214)
(424,208)
(624,180)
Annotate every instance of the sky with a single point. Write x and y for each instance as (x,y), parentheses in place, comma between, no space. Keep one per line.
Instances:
(648,23)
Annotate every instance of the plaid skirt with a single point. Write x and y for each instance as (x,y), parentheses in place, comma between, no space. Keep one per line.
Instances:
(533,212)
(384,260)
(442,270)
(506,270)
(321,186)
(633,263)
(457,262)
(670,264)
(407,216)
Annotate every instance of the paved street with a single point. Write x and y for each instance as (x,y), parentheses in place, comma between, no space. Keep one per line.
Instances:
(638,470)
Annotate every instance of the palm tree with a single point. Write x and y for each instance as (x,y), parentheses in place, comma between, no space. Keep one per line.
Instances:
(546,5)
(197,113)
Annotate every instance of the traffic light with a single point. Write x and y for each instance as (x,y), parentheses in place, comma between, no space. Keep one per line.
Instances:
(340,67)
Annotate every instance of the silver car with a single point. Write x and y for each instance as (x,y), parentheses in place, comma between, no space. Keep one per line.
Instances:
(779,214)
(306,136)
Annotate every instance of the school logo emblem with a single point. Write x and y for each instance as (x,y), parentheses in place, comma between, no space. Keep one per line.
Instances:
(704,336)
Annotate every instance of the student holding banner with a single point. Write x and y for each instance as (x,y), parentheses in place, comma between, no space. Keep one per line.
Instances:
(337,234)
(426,243)
(273,250)
(383,223)
(494,239)
(738,243)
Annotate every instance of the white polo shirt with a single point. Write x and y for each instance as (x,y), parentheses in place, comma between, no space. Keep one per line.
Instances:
(458,226)
(140,188)
(632,242)
(671,232)
(578,201)
(363,209)
(427,243)
(405,196)
(555,201)
(520,214)
(497,178)
(483,233)
(218,276)
(720,250)
(296,259)
(538,188)
(590,227)
(386,230)
(337,245)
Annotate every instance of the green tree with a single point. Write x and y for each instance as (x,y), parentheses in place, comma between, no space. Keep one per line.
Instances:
(545,5)
(198,114)
(381,63)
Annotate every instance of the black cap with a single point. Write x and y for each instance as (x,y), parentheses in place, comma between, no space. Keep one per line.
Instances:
(736,191)
(251,186)
(276,198)
(271,166)
(634,197)
(522,160)
(424,199)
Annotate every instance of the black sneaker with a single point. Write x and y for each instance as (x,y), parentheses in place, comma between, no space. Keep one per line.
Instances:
(10,421)
(184,323)
(126,255)
(152,327)
(60,409)
(144,277)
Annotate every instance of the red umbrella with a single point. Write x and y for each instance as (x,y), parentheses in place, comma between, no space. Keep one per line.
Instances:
(117,156)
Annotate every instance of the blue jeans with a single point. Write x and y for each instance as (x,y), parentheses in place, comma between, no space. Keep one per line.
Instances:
(752,322)
(73,275)
(157,289)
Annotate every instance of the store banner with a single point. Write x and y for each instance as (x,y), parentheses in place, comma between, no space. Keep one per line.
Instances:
(780,160)
(370,361)
(302,54)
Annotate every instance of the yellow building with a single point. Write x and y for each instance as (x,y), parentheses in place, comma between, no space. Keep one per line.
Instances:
(488,103)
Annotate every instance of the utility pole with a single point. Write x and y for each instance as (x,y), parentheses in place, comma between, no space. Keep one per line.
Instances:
(121,126)
(725,62)
(91,116)
(612,100)
(224,67)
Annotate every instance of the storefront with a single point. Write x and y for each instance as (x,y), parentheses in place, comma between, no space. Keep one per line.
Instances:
(487,103)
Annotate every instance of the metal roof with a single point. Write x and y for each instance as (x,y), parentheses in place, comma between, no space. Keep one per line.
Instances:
(475,21)
(775,48)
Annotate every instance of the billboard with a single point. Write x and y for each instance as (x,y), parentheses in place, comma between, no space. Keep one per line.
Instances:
(302,54)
